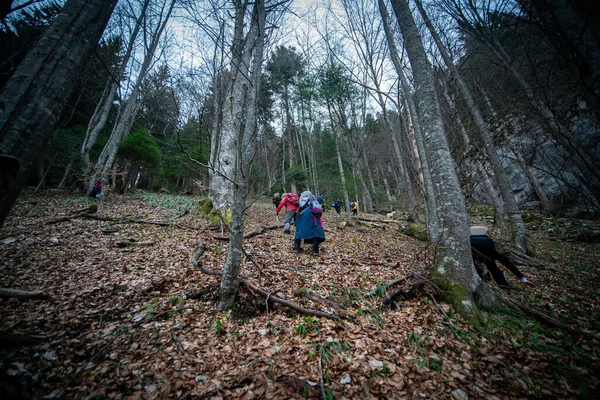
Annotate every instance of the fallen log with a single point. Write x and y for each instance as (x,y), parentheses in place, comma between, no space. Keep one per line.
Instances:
(21,294)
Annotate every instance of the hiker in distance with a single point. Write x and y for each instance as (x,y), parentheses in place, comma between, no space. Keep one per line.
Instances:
(309,224)
(337,204)
(485,252)
(290,202)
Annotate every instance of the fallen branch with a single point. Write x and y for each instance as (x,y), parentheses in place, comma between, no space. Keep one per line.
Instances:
(371,224)
(140,221)
(538,315)
(387,221)
(21,294)
(253,233)
(340,309)
(388,285)
(288,304)
(131,244)
(253,262)
(13,341)
(85,211)
(177,342)
(408,290)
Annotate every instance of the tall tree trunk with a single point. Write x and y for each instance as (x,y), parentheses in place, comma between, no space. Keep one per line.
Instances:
(102,111)
(431,200)
(479,168)
(128,115)
(518,231)
(249,81)
(34,97)
(453,271)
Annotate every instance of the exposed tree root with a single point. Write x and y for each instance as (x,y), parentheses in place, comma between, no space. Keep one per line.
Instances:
(269,296)
(22,294)
(253,233)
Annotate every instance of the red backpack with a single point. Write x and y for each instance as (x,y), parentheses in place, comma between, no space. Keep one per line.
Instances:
(294,200)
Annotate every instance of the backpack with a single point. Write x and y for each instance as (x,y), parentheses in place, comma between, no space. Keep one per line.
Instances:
(317,211)
(294,199)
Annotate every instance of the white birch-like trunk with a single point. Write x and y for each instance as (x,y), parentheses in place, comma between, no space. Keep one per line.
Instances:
(102,110)
(249,82)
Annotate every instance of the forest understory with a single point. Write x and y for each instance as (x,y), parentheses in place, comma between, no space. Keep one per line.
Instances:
(127,315)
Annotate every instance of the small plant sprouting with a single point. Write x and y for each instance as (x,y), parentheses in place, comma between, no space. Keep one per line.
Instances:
(219,327)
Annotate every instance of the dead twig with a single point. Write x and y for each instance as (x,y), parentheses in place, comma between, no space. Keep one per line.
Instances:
(253,262)
(177,342)
(253,233)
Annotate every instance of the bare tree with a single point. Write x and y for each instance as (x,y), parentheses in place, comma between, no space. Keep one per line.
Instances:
(100,116)
(239,134)
(431,206)
(454,271)
(510,204)
(130,109)
(31,111)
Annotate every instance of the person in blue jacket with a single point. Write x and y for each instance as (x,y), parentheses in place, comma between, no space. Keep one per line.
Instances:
(309,225)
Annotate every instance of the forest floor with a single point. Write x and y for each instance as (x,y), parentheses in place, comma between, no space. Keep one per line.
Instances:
(128,316)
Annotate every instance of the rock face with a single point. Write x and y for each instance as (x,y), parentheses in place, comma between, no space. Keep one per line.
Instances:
(550,164)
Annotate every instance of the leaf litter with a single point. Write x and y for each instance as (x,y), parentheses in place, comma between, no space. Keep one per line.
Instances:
(129,317)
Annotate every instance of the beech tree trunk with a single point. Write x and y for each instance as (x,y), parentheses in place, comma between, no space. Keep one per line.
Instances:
(453,272)
(34,97)
(518,231)
(247,71)
(431,200)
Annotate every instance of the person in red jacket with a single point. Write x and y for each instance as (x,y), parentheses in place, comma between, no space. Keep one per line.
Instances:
(291,203)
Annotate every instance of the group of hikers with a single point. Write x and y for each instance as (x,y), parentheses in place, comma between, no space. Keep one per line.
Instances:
(306,212)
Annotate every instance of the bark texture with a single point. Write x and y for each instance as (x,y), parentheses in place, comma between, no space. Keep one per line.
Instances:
(510,204)
(453,271)
(33,99)
(247,70)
